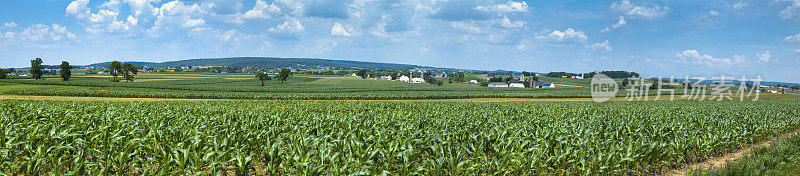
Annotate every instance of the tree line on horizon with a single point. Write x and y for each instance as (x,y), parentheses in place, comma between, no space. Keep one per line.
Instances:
(116,68)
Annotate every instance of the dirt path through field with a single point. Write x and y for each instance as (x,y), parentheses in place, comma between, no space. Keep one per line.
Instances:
(720,161)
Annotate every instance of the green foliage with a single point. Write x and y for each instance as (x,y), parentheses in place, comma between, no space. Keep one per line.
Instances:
(560,74)
(263,77)
(496,79)
(373,138)
(432,80)
(36,68)
(115,69)
(3,74)
(129,71)
(66,71)
(363,73)
(284,74)
(614,74)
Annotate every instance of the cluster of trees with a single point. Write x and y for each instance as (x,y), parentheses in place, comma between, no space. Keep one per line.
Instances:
(458,78)
(127,70)
(793,87)
(614,74)
(560,74)
(432,80)
(283,75)
(37,70)
(3,74)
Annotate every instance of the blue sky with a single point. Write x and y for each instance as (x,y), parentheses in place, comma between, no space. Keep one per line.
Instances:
(676,37)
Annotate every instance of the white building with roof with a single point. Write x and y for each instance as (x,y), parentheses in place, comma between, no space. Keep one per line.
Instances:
(403,79)
(497,84)
(517,85)
(417,80)
(385,78)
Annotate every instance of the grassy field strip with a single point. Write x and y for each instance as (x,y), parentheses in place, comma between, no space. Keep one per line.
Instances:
(716,162)
(483,100)
(65,98)
(566,85)
(618,99)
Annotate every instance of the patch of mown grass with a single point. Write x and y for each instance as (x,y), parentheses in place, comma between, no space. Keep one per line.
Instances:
(780,158)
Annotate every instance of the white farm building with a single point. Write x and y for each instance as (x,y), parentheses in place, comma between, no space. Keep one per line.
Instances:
(497,84)
(403,79)
(517,85)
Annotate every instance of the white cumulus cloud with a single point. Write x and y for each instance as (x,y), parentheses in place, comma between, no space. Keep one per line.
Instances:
(740,5)
(764,57)
(10,24)
(602,46)
(790,11)
(797,51)
(619,24)
(693,56)
(38,35)
(194,22)
(793,38)
(647,12)
(507,23)
(338,30)
(290,26)
(567,35)
(511,6)
(262,10)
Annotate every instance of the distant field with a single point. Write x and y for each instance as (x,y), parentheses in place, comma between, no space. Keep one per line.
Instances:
(237,86)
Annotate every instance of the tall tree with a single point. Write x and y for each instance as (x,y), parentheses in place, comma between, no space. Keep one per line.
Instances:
(36,68)
(363,73)
(263,77)
(115,69)
(129,71)
(3,74)
(66,71)
(284,74)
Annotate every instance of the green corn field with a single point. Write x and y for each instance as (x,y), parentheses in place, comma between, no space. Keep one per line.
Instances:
(377,138)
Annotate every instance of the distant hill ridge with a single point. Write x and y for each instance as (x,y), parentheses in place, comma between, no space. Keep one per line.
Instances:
(275,62)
